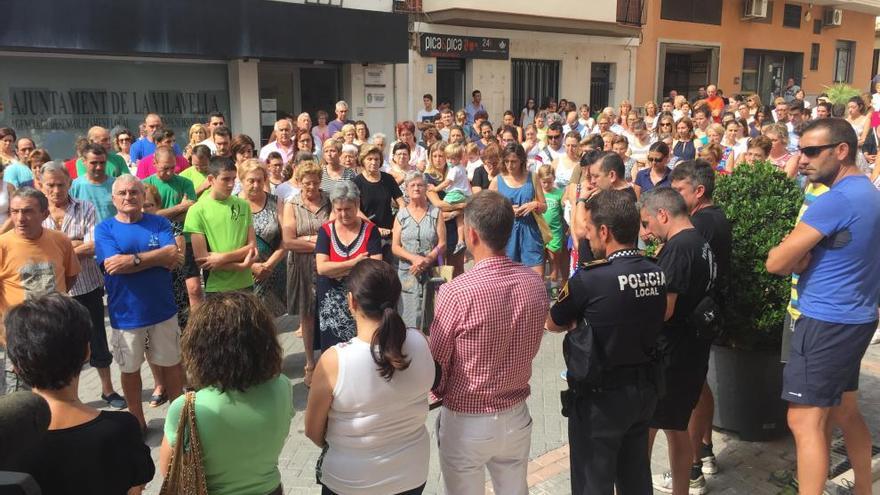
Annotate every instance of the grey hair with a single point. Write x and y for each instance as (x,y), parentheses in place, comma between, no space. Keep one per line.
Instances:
(553,117)
(31,193)
(411,176)
(54,167)
(128,179)
(350,148)
(379,135)
(344,191)
(280,121)
(341,104)
(663,198)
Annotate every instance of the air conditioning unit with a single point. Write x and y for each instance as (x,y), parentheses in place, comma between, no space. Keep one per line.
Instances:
(833,17)
(755,9)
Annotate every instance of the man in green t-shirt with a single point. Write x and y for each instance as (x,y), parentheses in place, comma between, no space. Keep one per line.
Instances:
(222,231)
(115,164)
(198,172)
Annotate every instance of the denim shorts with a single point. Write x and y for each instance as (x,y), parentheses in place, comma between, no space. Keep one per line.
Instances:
(824,361)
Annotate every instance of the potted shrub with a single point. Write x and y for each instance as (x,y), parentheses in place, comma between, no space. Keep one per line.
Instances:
(839,95)
(761,203)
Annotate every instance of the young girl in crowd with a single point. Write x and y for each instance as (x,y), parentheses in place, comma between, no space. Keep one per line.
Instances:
(553,216)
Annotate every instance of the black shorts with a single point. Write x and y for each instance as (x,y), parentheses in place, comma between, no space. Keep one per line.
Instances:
(684,373)
(190,269)
(824,361)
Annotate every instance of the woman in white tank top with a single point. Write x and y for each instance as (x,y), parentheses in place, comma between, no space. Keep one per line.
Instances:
(369,401)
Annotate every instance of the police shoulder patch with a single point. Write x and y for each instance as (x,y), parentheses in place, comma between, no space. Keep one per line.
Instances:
(593,264)
(563,293)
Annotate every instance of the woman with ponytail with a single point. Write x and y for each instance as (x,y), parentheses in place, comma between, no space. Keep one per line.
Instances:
(369,396)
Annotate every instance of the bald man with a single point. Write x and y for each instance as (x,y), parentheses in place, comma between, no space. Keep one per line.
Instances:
(145,146)
(715,102)
(115,164)
(283,143)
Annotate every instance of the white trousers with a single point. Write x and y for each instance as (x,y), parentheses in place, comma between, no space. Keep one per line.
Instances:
(472,443)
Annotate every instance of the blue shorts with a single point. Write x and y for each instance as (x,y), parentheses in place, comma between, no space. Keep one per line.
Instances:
(824,361)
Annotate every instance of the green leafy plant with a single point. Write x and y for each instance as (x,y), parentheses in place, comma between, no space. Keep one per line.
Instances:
(840,93)
(761,203)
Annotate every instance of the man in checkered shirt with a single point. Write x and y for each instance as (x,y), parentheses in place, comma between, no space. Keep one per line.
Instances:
(487,329)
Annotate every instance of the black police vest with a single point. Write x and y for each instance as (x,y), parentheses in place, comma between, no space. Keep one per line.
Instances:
(624,304)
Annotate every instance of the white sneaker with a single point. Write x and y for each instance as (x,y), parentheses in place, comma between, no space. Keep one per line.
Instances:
(663,483)
(876,338)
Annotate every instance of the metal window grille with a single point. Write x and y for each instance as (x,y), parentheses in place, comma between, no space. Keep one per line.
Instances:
(538,79)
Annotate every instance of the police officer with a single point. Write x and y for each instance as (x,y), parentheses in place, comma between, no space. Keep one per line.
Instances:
(613,311)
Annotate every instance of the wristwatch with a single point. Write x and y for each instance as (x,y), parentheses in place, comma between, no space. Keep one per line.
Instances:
(137,260)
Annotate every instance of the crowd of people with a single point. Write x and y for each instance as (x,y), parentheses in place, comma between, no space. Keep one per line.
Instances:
(198,248)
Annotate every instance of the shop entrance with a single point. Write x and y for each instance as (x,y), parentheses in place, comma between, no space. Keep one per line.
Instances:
(297,88)
(450,82)
(685,69)
(765,72)
(600,86)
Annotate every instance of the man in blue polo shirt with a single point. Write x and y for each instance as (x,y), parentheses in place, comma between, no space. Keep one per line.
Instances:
(146,145)
(832,248)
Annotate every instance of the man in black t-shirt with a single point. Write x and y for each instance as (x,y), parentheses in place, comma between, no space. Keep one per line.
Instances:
(689,266)
(695,181)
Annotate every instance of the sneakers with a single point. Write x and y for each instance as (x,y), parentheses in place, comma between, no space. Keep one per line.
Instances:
(663,483)
(876,338)
(708,459)
(459,248)
(564,375)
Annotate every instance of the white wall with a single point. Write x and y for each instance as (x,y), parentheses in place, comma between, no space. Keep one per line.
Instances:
(378,119)
(585,10)
(244,97)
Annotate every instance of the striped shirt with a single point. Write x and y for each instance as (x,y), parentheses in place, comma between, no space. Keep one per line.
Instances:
(327,182)
(487,329)
(79,225)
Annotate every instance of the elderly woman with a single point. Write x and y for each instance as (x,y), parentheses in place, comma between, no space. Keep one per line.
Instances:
(332,171)
(270,274)
(779,154)
(418,239)
(35,161)
(243,405)
(361,133)
(341,243)
(379,191)
(517,184)
(400,163)
(349,157)
(304,214)
(321,131)
(370,400)
(348,134)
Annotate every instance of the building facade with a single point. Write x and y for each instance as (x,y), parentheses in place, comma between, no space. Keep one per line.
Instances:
(109,63)
(512,50)
(754,46)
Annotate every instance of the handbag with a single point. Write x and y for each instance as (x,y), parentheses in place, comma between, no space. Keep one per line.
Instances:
(186,472)
(546,235)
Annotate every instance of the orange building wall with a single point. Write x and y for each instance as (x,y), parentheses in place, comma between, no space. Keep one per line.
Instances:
(734,36)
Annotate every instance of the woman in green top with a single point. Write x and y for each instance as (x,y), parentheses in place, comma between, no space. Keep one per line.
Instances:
(556,248)
(243,405)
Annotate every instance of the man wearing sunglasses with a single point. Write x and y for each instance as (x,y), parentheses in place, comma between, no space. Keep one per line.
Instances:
(554,148)
(832,249)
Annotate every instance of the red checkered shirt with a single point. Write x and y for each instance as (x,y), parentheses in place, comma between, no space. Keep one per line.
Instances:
(487,328)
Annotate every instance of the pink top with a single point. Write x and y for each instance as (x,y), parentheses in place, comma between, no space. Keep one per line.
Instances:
(781,161)
(145,167)
(487,329)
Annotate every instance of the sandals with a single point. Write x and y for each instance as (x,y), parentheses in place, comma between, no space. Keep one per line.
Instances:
(157,400)
(307,375)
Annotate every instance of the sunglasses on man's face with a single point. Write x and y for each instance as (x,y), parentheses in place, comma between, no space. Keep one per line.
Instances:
(813,151)
(554,136)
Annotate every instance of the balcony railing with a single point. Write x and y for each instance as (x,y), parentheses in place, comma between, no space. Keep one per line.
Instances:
(630,12)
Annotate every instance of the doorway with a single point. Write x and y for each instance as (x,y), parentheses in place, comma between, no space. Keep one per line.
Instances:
(600,86)
(765,72)
(685,69)
(450,82)
(298,88)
